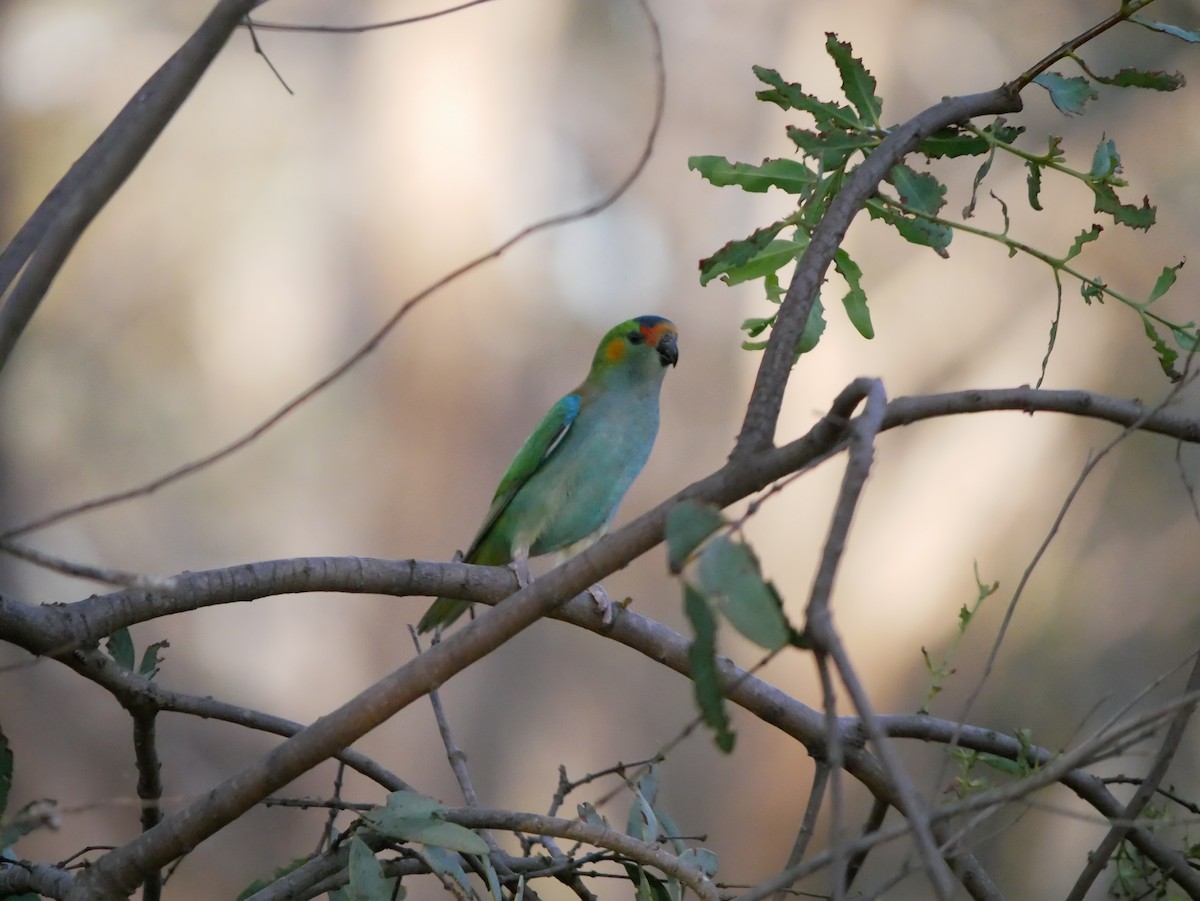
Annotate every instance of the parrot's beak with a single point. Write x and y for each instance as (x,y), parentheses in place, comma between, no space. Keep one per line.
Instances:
(668,349)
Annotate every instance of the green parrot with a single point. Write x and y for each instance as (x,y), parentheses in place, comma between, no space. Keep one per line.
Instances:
(562,490)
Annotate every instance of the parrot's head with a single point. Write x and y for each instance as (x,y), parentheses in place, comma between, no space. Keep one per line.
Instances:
(646,344)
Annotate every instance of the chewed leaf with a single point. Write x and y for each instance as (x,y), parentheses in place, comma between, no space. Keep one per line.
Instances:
(855,300)
(791,176)
(919,191)
(1164,282)
(857,83)
(1128,214)
(913,229)
(1069,95)
(738,253)
(1166,355)
(1138,78)
(1084,237)
(771,258)
(787,96)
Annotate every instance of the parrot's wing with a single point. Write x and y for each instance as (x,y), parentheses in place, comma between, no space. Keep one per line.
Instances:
(533,454)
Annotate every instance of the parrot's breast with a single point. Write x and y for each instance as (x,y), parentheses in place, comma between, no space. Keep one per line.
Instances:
(573,498)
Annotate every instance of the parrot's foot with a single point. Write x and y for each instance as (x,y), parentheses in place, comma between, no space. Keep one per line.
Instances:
(520,569)
(604,604)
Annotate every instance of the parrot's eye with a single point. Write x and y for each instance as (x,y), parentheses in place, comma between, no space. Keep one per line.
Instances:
(636,337)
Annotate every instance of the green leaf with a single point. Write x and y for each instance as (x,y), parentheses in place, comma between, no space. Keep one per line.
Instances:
(1001,764)
(1034,181)
(1137,78)
(1094,289)
(445,863)
(1069,95)
(120,647)
(1166,355)
(1164,282)
(831,149)
(702,654)
(410,816)
(791,176)
(6,775)
(688,524)
(980,174)
(148,668)
(771,258)
(857,83)
(738,253)
(1084,237)
(367,882)
(701,858)
(828,116)
(642,822)
(1123,213)
(855,300)
(1192,37)
(913,229)
(756,326)
(1106,162)
(649,888)
(953,141)
(1187,336)
(919,191)
(729,574)
(813,329)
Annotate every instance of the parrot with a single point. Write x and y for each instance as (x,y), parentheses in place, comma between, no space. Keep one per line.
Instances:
(561,491)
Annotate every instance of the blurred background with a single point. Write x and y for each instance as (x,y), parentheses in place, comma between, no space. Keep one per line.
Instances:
(267,235)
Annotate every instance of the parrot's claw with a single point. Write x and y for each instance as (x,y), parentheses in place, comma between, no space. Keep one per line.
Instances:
(604,604)
(520,569)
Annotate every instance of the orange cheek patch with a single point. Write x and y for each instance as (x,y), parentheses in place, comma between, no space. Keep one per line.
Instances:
(615,350)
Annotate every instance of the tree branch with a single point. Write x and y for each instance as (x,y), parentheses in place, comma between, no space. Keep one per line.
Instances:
(762,413)
(42,244)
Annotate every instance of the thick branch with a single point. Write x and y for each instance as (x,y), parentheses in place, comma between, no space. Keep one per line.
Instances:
(734,481)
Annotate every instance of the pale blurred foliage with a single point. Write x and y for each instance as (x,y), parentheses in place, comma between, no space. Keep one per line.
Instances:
(266,235)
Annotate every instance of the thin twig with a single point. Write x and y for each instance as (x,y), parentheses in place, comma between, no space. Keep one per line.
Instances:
(360,29)
(1098,859)
(266,59)
(1010,611)
(808,823)
(149,784)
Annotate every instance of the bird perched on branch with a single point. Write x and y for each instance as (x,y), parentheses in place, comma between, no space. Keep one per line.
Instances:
(562,490)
